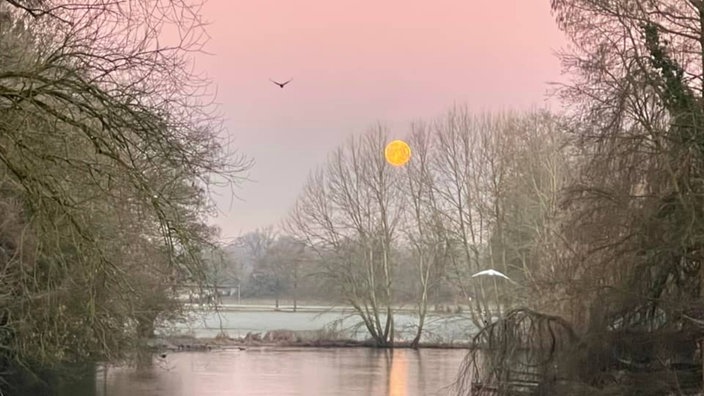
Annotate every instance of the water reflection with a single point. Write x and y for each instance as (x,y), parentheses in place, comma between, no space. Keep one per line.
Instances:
(286,371)
(398,375)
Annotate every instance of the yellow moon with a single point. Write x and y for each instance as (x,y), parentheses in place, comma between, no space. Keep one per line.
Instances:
(397,152)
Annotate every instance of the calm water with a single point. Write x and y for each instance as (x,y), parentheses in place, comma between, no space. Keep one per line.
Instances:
(287,371)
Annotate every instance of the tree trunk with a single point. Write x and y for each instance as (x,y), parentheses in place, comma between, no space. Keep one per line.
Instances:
(295,291)
(145,331)
(276,294)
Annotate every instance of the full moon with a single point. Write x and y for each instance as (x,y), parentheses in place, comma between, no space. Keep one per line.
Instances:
(397,152)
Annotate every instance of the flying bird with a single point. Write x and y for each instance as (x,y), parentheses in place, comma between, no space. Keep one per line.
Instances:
(281,84)
(491,272)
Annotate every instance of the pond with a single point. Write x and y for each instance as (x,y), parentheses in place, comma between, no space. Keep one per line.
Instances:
(286,371)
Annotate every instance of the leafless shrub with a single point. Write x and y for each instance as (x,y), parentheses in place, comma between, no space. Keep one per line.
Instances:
(521,351)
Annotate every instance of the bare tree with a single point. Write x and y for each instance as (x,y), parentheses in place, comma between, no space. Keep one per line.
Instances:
(284,264)
(348,213)
(638,199)
(109,143)
(424,229)
(471,166)
(633,231)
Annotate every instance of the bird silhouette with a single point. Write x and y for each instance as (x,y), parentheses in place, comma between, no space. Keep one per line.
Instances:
(281,84)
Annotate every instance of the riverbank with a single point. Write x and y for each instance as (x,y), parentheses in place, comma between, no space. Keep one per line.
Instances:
(226,303)
(279,338)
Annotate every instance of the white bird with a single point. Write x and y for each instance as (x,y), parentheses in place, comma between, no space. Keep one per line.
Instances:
(491,272)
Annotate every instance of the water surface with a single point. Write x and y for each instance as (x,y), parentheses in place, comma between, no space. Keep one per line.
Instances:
(288,371)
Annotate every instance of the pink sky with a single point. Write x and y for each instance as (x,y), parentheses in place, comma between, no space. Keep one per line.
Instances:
(355,63)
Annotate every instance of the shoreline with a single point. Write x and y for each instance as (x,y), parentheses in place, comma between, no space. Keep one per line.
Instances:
(183,343)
